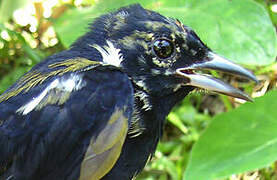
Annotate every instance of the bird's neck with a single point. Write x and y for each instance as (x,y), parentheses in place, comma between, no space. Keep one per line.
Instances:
(145,131)
(150,111)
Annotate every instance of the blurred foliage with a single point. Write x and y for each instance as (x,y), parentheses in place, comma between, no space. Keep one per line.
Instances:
(243,139)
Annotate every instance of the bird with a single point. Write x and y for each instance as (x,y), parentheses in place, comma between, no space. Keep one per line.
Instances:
(97,110)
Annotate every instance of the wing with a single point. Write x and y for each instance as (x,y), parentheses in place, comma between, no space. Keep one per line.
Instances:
(69,126)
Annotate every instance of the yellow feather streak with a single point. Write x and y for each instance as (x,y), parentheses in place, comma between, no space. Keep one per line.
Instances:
(32,79)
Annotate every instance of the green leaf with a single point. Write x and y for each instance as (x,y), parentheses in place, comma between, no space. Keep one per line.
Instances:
(175,120)
(73,23)
(10,78)
(241,140)
(239,30)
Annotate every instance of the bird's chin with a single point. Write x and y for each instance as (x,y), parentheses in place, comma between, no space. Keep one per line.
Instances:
(215,62)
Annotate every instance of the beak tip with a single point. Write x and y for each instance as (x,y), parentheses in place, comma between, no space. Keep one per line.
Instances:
(246,97)
(249,99)
(257,81)
(254,78)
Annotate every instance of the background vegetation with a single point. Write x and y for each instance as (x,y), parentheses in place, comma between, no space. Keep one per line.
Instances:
(207,136)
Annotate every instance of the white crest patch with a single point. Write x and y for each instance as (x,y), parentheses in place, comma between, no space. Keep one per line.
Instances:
(69,84)
(110,54)
(123,14)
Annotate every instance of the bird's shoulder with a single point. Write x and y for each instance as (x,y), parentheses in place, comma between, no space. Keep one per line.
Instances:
(57,79)
(60,104)
(43,72)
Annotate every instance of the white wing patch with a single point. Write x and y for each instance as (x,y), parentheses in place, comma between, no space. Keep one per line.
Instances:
(67,85)
(35,101)
(110,54)
(73,83)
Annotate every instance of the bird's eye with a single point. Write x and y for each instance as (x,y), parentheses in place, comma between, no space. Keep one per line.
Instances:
(163,48)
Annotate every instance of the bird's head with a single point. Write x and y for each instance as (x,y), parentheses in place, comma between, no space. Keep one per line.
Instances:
(160,54)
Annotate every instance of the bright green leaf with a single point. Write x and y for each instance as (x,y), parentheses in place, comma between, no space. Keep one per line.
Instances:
(240,30)
(241,140)
(174,119)
(73,24)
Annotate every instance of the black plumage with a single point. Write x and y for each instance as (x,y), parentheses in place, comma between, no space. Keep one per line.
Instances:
(97,110)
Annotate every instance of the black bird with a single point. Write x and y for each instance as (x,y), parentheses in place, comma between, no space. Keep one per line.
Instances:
(97,110)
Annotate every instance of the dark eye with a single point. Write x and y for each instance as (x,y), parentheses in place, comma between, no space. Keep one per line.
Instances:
(163,48)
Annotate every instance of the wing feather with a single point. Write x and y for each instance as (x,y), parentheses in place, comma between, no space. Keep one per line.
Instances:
(59,131)
(105,149)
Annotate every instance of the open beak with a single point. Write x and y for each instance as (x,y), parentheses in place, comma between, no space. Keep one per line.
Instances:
(215,62)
